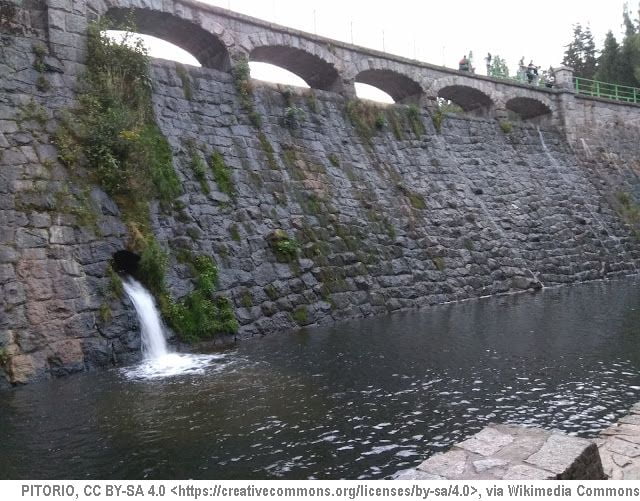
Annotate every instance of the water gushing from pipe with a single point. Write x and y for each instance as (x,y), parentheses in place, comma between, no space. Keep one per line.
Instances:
(154,344)
(159,361)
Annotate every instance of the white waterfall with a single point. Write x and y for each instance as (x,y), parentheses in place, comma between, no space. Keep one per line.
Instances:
(159,361)
(154,344)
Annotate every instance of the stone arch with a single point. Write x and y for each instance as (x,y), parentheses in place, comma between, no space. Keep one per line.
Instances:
(400,87)
(206,47)
(467,97)
(314,70)
(527,107)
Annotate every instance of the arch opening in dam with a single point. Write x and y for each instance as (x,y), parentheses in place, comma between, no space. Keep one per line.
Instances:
(204,46)
(400,88)
(372,93)
(157,48)
(526,107)
(315,71)
(271,73)
(468,98)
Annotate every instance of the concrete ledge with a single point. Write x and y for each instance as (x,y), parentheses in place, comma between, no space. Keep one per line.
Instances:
(514,453)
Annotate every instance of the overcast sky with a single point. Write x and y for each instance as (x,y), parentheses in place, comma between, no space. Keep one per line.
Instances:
(440,32)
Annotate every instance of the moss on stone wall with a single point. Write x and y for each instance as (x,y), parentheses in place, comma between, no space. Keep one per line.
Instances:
(283,246)
(221,174)
(629,210)
(114,138)
(186,81)
(242,81)
(197,166)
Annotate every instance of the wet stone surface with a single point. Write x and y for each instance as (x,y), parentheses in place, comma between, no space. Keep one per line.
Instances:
(513,452)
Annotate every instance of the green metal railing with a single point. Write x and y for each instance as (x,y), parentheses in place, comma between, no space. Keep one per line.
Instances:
(606,90)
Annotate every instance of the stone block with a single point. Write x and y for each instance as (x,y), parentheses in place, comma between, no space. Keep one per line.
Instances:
(516,452)
(31,238)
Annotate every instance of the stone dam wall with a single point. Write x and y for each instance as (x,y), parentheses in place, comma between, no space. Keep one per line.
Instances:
(399,216)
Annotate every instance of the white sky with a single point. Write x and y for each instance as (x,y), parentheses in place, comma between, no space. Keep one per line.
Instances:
(440,32)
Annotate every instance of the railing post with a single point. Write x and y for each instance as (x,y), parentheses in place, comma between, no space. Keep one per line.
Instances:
(597,89)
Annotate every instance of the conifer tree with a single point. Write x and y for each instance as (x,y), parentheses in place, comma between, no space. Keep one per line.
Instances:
(609,68)
(629,73)
(581,53)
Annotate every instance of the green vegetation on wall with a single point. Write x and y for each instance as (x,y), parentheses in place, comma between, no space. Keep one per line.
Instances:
(283,246)
(415,199)
(630,211)
(366,118)
(186,81)
(221,174)
(200,314)
(114,130)
(4,357)
(114,139)
(438,118)
(40,51)
(506,126)
(242,81)
(197,165)
(369,119)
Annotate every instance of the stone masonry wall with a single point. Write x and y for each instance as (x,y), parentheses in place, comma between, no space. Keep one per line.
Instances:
(408,217)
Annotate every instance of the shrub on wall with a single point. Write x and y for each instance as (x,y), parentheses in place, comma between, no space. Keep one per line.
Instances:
(113,135)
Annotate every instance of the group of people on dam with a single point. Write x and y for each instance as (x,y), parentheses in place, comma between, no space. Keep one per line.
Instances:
(526,73)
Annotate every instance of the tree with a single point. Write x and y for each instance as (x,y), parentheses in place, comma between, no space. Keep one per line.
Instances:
(581,53)
(498,67)
(629,27)
(629,73)
(609,62)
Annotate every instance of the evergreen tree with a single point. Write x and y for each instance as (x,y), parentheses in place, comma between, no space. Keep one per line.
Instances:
(609,63)
(629,73)
(589,58)
(581,53)
(629,27)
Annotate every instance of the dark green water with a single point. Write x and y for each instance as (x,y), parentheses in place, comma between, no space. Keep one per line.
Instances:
(363,399)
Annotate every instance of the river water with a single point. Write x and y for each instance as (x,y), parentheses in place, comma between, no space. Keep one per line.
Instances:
(360,400)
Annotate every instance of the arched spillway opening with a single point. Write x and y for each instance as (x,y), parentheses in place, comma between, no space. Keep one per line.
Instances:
(399,88)
(527,108)
(313,70)
(468,98)
(126,262)
(204,46)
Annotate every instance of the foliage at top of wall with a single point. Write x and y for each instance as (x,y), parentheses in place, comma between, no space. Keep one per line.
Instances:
(444,107)
(242,81)
(113,133)
(369,119)
(113,136)
(366,118)
(186,81)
